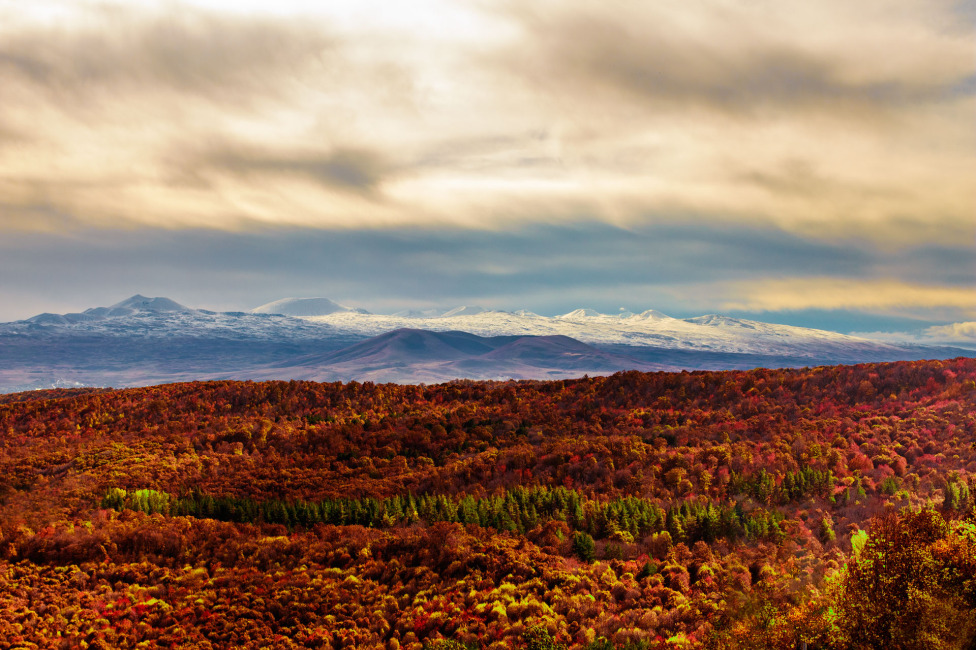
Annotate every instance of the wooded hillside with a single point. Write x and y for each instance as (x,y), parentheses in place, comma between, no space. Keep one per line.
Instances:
(832,506)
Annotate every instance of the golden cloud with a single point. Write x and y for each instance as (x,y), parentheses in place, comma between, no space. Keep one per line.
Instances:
(887,296)
(832,119)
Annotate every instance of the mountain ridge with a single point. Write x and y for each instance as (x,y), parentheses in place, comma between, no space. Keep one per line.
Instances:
(304,307)
(406,354)
(142,340)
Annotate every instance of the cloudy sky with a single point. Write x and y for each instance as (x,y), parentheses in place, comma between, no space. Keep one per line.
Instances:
(793,161)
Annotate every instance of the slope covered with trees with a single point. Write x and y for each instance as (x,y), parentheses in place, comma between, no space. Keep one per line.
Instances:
(829,506)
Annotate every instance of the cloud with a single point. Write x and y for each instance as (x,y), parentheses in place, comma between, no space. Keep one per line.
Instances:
(177,116)
(675,267)
(763,155)
(831,120)
(749,58)
(114,50)
(962,332)
(356,170)
(957,335)
(867,294)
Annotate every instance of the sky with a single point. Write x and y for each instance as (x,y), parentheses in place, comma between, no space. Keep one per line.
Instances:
(810,163)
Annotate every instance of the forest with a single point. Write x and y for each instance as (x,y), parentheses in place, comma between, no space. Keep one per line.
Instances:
(819,508)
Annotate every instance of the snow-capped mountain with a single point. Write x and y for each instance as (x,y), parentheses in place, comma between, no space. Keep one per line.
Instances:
(464,310)
(434,312)
(143,341)
(155,340)
(579,314)
(141,303)
(649,328)
(304,307)
(319,319)
(127,307)
(144,317)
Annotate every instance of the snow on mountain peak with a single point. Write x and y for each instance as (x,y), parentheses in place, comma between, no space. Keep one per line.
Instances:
(302,307)
(128,307)
(653,334)
(652,314)
(580,313)
(47,318)
(464,310)
(716,320)
(622,313)
(142,303)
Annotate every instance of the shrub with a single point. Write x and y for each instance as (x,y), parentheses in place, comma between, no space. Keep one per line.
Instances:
(538,638)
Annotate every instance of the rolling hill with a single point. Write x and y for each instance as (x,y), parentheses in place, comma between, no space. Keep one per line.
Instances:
(411,355)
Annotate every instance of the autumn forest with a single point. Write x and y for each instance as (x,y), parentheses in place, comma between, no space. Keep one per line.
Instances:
(830,508)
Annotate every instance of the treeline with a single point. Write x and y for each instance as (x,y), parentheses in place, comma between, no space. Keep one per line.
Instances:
(518,510)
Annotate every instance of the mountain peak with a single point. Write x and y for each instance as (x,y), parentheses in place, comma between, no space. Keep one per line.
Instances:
(717,320)
(464,310)
(653,314)
(581,313)
(142,303)
(303,307)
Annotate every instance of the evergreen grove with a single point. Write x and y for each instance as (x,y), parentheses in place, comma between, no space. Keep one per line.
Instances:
(518,510)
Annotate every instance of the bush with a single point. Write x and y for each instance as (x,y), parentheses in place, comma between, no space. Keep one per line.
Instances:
(537,638)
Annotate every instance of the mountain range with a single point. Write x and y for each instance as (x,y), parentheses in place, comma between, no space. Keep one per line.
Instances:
(141,341)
